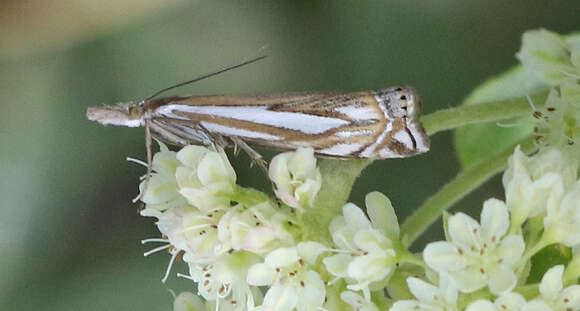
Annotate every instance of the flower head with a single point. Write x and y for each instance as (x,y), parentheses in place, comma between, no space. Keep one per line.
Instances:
(365,254)
(530,181)
(293,285)
(296,177)
(224,280)
(550,56)
(192,231)
(160,192)
(558,122)
(553,296)
(562,222)
(205,178)
(478,255)
(259,229)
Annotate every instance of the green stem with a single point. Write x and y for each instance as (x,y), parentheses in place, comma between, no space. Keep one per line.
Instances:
(451,118)
(337,180)
(455,190)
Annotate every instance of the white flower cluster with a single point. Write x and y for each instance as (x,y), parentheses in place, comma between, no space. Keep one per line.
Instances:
(486,265)
(491,256)
(219,228)
(236,240)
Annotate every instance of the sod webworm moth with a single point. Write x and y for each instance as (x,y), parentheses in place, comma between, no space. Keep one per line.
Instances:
(369,124)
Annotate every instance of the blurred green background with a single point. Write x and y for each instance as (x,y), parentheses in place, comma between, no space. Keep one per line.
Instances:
(69,232)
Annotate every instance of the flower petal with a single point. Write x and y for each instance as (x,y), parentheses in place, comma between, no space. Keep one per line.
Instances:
(354,216)
(571,296)
(303,163)
(279,173)
(280,298)
(282,257)
(468,280)
(371,268)
(481,305)
(261,274)
(463,231)
(309,251)
(443,256)
(337,264)
(191,155)
(408,305)
(510,302)
(425,292)
(495,220)
(511,249)
(551,283)
(382,214)
(312,293)
(501,280)
(536,305)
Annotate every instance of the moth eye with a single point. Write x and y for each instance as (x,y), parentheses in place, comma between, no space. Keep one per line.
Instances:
(134,112)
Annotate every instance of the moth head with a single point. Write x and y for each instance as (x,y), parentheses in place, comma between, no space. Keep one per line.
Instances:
(124,114)
(400,102)
(408,138)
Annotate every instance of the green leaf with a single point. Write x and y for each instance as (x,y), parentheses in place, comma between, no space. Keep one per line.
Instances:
(478,142)
(556,254)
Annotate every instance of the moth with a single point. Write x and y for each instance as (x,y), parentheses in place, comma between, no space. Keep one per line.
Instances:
(368,124)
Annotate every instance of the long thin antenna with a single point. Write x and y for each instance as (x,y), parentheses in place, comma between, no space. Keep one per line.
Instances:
(211,74)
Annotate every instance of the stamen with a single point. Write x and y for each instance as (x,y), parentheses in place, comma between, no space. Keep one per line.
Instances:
(155,250)
(333,281)
(136,161)
(169,267)
(185,276)
(154,240)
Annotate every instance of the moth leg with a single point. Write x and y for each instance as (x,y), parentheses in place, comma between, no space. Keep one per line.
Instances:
(256,158)
(166,134)
(253,154)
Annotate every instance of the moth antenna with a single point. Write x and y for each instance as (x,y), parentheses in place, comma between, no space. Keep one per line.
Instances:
(207,75)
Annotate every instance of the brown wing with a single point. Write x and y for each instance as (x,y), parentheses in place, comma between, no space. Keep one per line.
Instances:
(334,124)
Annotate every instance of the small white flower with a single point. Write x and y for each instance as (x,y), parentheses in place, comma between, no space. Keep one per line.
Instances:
(530,181)
(193,231)
(357,302)
(258,229)
(292,284)
(429,297)
(161,192)
(553,297)
(562,223)
(296,177)
(478,255)
(224,280)
(507,302)
(205,178)
(365,255)
(549,56)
